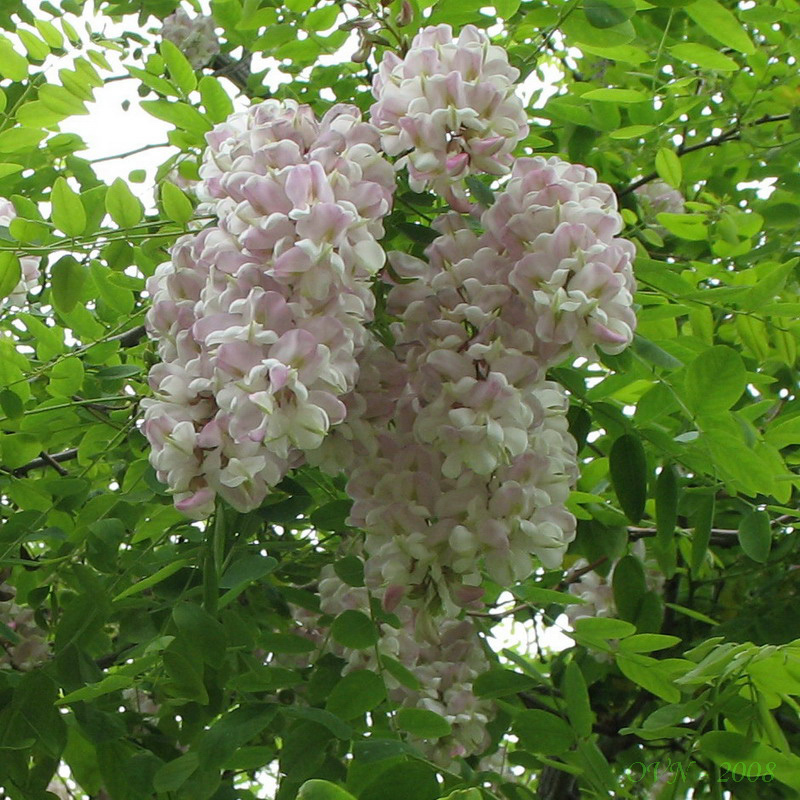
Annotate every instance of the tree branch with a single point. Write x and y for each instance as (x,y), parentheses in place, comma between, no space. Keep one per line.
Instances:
(726,136)
(130,338)
(48,460)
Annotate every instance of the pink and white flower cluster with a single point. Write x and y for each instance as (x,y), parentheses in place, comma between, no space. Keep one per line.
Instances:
(658,197)
(260,318)
(468,462)
(195,37)
(449,108)
(455,445)
(29,265)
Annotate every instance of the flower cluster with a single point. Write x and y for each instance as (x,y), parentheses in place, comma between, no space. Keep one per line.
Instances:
(454,444)
(470,462)
(195,37)
(658,197)
(260,318)
(29,265)
(29,648)
(449,108)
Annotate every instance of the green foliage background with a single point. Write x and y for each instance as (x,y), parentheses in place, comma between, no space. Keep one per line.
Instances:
(689,440)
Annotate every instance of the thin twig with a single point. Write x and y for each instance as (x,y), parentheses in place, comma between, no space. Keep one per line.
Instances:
(130,152)
(726,136)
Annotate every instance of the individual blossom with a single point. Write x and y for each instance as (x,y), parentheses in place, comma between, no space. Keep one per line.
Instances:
(29,265)
(261,317)
(449,109)
(195,37)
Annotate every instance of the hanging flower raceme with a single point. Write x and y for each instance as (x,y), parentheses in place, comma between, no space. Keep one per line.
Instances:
(449,108)
(471,470)
(29,265)
(260,318)
(195,37)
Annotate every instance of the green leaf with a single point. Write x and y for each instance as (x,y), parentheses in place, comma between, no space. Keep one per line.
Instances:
(628,467)
(248,569)
(608,13)
(400,673)
(180,70)
(543,732)
(403,781)
(720,24)
(68,212)
(480,191)
(423,723)
(10,273)
(500,683)
(705,57)
(354,629)
(123,206)
(68,278)
(11,404)
(66,377)
(355,694)
(647,642)
(668,167)
(12,65)
(341,730)
(317,789)
(186,675)
(50,34)
(152,580)
(603,628)
(649,674)
(629,587)
(666,518)
(181,115)
(703,520)
(215,99)
(112,683)
(232,731)
(37,49)
(351,570)
(576,696)
(631,132)
(755,535)
(612,95)
(692,227)
(201,632)
(715,380)
(506,8)
(174,774)
(177,205)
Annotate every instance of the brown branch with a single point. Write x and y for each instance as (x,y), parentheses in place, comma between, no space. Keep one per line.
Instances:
(130,338)
(726,136)
(48,460)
